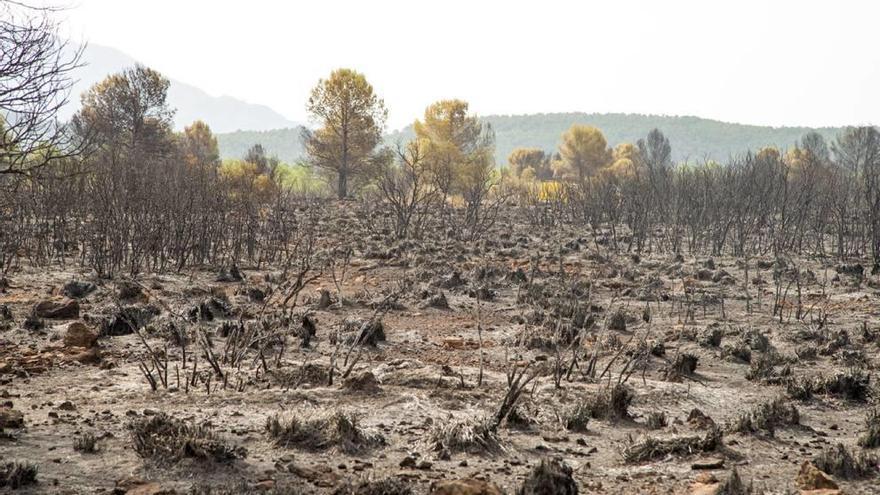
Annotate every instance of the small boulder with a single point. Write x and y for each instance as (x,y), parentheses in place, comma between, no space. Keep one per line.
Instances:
(812,478)
(52,309)
(142,488)
(79,335)
(705,484)
(88,356)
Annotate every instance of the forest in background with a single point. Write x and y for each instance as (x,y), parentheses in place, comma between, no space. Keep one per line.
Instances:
(693,139)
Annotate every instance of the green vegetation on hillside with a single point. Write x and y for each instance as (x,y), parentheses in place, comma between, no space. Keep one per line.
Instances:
(692,138)
(285,144)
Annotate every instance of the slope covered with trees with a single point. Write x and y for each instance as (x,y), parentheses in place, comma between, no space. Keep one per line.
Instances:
(692,138)
(285,144)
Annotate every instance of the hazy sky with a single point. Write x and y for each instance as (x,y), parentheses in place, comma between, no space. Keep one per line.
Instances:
(760,62)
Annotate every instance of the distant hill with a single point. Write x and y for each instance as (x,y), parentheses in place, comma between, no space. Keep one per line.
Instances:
(285,143)
(222,113)
(692,138)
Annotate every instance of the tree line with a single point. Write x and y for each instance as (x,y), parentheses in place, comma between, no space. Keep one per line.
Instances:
(116,188)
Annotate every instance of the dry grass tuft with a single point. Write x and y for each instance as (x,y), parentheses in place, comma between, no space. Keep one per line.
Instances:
(766,417)
(15,475)
(475,436)
(852,384)
(870,439)
(385,486)
(651,448)
(323,431)
(167,440)
(87,443)
(842,462)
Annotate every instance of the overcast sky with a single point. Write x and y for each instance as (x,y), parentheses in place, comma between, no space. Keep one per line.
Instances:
(812,63)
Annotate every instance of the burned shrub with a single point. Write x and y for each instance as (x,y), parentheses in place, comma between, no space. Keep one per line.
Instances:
(384,486)
(711,336)
(255,294)
(842,462)
(609,403)
(167,440)
(431,299)
(852,384)
(685,364)
(360,332)
(308,375)
(474,436)
(658,348)
(800,387)
(208,310)
(763,369)
(451,281)
(243,487)
(657,420)
(126,320)
(5,313)
(756,340)
(549,477)
(766,417)
(86,443)
(870,439)
(652,448)
(852,270)
(307,330)
(836,341)
(323,431)
(576,417)
(739,350)
(15,475)
(483,293)
(806,353)
(33,323)
(231,274)
(76,289)
(700,420)
(618,320)
(520,418)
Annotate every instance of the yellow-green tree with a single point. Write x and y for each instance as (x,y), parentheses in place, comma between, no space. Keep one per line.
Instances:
(351,118)
(459,147)
(584,151)
(460,154)
(529,163)
(624,160)
(198,146)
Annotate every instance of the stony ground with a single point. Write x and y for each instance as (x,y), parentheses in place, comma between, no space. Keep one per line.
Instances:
(681,351)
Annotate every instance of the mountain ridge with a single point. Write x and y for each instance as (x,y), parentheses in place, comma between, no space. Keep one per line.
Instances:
(221,113)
